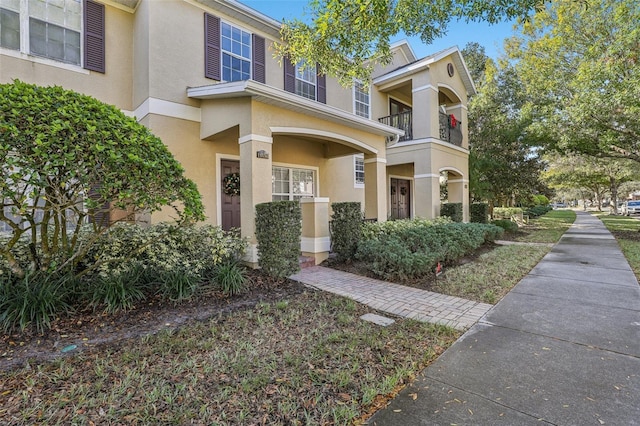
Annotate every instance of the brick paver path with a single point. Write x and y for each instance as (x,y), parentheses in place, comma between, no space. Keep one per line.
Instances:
(395,299)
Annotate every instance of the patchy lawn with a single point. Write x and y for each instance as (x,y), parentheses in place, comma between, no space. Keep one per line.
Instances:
(626,230)
(545,229)
(305,359)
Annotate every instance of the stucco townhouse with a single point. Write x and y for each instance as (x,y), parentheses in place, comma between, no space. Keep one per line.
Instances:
(201,74)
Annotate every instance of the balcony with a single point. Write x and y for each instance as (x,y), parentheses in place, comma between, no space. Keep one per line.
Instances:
(402,121)
(450,130)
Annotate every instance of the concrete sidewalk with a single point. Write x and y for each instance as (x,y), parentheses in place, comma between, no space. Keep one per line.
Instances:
(562,348)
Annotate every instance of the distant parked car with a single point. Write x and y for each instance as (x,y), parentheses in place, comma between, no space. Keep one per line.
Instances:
(559,205)
(631,207)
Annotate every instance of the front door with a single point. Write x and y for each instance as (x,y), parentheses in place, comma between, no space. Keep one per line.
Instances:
(400,199)
(230,203)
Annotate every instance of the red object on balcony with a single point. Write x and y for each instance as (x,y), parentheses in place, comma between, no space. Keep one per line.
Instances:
(453,121)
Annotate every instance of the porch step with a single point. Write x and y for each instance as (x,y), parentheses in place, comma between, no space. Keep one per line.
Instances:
(306,262)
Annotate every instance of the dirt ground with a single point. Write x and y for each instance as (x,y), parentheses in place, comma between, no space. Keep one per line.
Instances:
(83,330)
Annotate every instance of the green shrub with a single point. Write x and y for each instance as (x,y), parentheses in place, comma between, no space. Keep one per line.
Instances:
(374,229)
(177,285)
(117,291)
(414,248)
(231,278)
(164,247)
(538,211)
(479,212)
(34,300)
(506,212)
(452,210)
(507,225)
(346,229)
(539,200)
(278,230)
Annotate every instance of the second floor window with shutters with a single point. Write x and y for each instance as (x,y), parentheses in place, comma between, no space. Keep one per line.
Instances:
(54,29)
(306,81)
(236,53)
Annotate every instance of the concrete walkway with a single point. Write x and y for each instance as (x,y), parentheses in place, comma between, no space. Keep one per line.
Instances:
(395,299)
(562,348)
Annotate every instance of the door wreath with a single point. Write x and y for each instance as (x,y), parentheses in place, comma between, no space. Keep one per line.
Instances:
(231,184)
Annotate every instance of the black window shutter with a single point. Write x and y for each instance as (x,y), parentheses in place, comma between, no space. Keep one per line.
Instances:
(94,51)
(212,47)
(289,76)
(322,86)
(258,59)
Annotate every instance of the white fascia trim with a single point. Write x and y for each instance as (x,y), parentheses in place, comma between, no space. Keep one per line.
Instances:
(315,245)
(257,138)
(404,44)
(426,87)
(322,134)
(430,140)
(241,13)
(410,69)
(426,176)
(293,102)
(168,109)
(121,6)
(375,160)
(44,61)
(458,181)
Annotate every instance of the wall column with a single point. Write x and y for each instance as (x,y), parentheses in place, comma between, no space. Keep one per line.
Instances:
(255,185)
(425,112)
(375,187)
(427,195)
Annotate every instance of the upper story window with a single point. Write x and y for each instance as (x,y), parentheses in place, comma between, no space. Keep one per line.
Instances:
(53,29)
(361,100)
(232,54)
(306,81)
(236,53)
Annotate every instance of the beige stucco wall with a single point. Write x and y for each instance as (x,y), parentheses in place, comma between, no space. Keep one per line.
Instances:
(114,87)
(338,181)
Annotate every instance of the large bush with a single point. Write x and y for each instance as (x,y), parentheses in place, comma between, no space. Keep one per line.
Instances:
(346,229)
(414,248)
(479,212)
(278,231)
(69,159)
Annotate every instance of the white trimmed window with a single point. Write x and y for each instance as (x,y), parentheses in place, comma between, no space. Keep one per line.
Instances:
(361,100)
(236,53)
(48,28)
(358,171)
(292,183)
(306,80)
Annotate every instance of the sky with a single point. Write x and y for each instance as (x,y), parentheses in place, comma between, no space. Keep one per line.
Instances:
(459,33)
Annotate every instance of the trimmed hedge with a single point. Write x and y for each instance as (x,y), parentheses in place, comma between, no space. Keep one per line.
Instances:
(507,212)
(538,211)
(452,210)
(479,212)
(414,249)
(346,229)
(506,224)
(278,230)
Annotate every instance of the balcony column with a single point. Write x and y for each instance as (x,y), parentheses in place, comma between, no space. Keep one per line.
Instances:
(425,112)
(255,186)
(375,187)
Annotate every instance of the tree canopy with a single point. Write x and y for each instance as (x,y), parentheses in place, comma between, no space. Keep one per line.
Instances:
(580,68)
(349,37)
(68,159)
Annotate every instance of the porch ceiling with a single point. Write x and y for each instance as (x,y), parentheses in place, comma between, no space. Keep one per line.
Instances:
(280,98)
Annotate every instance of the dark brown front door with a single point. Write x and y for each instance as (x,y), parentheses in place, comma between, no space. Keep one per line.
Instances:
(230,204)
(400,199)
